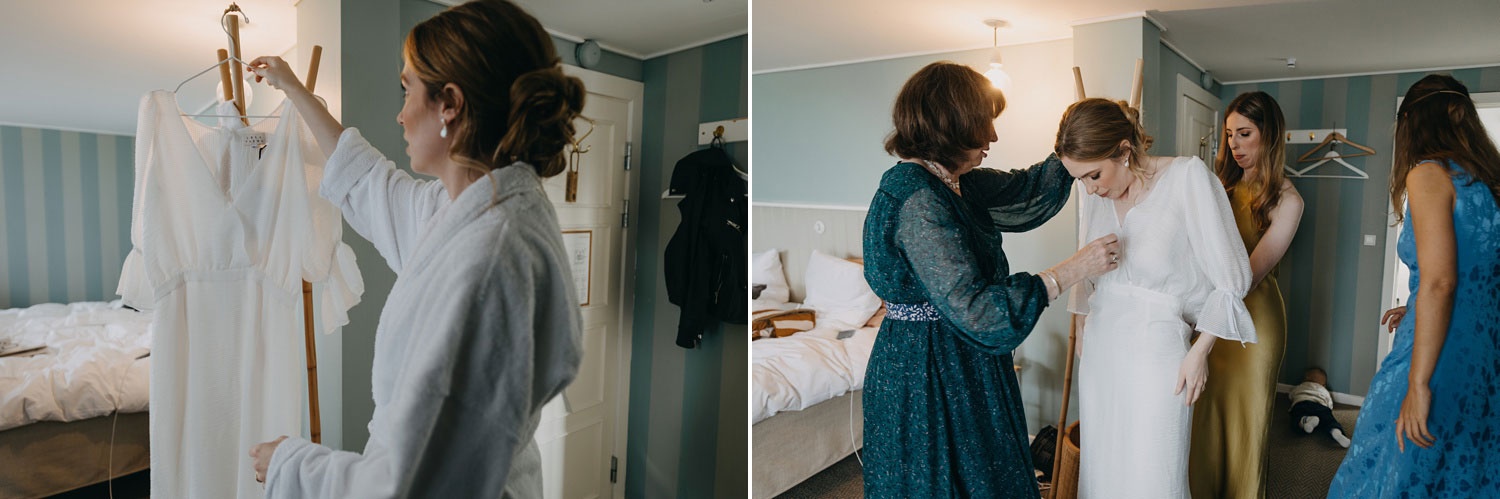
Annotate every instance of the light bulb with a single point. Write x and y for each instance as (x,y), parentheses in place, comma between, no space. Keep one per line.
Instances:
(997,76)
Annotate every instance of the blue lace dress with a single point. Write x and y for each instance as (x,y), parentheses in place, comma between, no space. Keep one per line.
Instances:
(1465,414)
(943,414)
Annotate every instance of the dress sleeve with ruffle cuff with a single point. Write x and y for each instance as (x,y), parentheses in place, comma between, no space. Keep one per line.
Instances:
(341,290)
(1224,315)
(134,290)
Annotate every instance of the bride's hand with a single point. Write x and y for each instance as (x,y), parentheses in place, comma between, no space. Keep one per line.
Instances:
(276,72)
(1192,375)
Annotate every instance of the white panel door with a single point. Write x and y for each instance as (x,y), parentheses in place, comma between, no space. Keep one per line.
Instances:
(582,432)
(1197,123)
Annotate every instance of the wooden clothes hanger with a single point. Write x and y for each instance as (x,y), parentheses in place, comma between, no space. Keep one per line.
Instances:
(1329,141)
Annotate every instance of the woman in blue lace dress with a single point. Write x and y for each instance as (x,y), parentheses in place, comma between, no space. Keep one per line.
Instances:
(1430,425)
(943,414)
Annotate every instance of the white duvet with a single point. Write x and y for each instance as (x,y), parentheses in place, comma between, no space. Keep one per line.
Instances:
(807,368)
(88,369)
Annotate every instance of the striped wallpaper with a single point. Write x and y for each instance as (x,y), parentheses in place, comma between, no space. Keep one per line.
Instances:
(1332,282)
(688,408)
(65,197)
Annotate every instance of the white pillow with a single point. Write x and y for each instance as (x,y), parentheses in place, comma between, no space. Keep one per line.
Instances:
(765,268)
(837,290)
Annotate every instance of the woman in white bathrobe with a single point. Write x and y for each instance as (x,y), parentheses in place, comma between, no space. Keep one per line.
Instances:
(481,328)
(1182,268)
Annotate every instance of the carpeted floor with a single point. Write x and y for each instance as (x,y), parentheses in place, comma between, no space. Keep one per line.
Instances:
(1302,466)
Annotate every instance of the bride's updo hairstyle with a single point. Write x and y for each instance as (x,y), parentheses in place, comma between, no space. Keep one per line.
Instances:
(1092,129)
(517,103)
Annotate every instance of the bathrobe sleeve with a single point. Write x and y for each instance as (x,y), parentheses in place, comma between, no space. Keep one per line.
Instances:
(993,314)
(381,202)
(1020,200)
(1219,254)
(459,422)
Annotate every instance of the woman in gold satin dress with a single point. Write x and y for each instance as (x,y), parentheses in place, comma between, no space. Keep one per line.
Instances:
(1231,419)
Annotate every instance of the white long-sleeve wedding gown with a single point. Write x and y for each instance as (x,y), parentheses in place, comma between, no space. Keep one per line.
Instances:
(1181,264)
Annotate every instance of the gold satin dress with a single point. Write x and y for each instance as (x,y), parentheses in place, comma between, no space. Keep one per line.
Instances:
(1233,415)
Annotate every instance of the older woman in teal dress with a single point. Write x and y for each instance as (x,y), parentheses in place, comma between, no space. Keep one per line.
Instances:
(943,414)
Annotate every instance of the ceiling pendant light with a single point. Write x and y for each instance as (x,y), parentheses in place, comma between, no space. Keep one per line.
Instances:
(996,74)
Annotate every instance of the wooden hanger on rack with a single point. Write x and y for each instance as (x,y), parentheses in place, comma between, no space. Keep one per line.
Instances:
(1332,139)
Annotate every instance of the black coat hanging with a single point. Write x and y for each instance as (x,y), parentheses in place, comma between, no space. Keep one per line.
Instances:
(704,261)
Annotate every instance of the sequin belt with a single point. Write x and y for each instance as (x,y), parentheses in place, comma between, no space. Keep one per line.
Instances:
(916,312)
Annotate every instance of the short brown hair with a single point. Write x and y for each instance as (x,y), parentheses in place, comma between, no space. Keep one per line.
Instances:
(517,103)
(943,111)
(1091,130)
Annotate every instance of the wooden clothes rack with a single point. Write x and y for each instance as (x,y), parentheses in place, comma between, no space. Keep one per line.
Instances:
(234,89)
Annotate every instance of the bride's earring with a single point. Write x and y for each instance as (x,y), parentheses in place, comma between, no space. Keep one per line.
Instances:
(444,132)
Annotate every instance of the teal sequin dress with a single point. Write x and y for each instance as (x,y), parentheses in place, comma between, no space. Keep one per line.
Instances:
(1464,417)
(943,414)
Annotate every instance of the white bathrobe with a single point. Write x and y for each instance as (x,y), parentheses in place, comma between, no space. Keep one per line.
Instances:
(480,330)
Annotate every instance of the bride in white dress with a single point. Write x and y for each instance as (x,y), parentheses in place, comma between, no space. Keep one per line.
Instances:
(1182,268)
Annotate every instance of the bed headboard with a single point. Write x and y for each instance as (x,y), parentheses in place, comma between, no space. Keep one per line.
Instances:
(795,230)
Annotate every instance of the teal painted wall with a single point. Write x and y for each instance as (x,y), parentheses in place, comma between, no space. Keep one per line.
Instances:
(688,409)
(820,132)
(1331,281)
(66,203)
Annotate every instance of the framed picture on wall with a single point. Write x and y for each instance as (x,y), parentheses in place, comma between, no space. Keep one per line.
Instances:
(579,244)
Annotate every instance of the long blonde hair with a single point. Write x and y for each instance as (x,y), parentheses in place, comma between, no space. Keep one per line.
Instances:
(1091,130)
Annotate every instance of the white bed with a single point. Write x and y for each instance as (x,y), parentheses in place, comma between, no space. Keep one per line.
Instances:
(93,362)
(58,404)
(805,369)
(806,404)
(807,387)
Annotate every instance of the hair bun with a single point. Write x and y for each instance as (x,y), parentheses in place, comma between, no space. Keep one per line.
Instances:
(1134,116)
(543,104)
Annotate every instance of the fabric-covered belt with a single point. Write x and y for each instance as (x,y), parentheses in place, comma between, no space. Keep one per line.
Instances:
(916,312)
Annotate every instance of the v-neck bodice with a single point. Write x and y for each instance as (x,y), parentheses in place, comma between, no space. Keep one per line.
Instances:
(223,233)
(1180,241)
(207,199)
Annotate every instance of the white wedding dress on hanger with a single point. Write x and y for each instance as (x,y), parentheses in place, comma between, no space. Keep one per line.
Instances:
(1182,263)
(224,231)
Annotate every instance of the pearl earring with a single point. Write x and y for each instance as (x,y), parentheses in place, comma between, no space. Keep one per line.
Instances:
(444,132)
